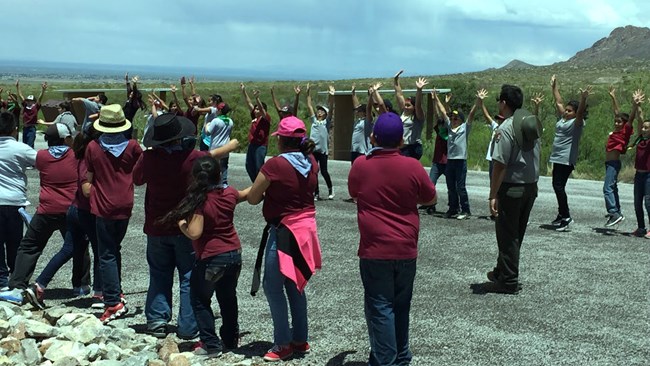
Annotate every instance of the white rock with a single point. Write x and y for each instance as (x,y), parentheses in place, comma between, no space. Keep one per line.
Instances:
(60,349)
(29,351)
(37,329)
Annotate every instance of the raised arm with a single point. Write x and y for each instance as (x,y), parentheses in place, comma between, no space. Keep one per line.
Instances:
(173,90)
(310,107)
(419,111)
(296,100)
(448,98)
(486,114)
(184,93)
(441,108)
(559,104)
(480,95)
(192,86)
(43,89)
(537,99)
(276,104)
(355,99)
(152,102)
(128,85)
(612,95)
(247,99)
(260,105)
(398,91)
(224,150)
(635,105)
(330,101)
(21,98)
(374,89)
(582,107)
(162,103)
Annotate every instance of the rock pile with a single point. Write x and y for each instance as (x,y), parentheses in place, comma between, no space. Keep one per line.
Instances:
(59,336)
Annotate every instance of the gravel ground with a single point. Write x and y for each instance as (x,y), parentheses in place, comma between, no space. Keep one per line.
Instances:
(584,301)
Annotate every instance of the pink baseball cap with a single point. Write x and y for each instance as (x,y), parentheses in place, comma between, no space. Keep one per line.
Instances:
(290,127)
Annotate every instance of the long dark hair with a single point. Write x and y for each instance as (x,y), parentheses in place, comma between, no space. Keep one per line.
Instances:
(575,104)
(82,140)
(304,144)
(206,175)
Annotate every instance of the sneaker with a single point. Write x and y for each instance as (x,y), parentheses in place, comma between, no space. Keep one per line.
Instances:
(614,219)
(113,312)
(463,215)
(647,235)
(158,330)
(200,350)
(302,348)
(98,300)
(4,288)
(557,221)
(330,196)
(316,198)
(640,232)
(81,291)
(278,353)
(14,296)
(35,294)
(451,215)
(564,224)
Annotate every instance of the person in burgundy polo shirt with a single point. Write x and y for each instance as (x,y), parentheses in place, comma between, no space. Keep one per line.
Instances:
(31,106)
(57,168)
(389,226)
(110,160)
(167,248)
(258,134)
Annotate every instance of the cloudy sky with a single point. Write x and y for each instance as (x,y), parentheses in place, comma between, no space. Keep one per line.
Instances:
(313,38)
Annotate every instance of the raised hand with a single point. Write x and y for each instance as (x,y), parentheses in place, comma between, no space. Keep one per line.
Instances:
(256,93)
(612,91)
(296,89)
(376,86)
(126,76)
(586,91)
(396,77)
(17,83)
(173,88)
(448,97)
(481,94)
(354,88)
(537,99)
(135,79)
(243,87)
(553,81)
(638,97)
(420,83)
(308,88)
(192,80)
(44,85)
(331,90)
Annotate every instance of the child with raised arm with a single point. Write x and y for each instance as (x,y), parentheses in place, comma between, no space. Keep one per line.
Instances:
(642,166)
(456,172)
(362,127)
(258,133)
(439,160)
(564,153)
(493,124)
(219,130)
(320,126)
(412,116)
(616,145)
(31,106)
(206,216)
(287,109)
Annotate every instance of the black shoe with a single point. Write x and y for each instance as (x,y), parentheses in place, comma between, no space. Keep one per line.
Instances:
(491,276)
(451,215)
(564,224)
(614,219)
(34,295)
(431,210)
(423,207)
(557,221)
(158,330)
(501,288)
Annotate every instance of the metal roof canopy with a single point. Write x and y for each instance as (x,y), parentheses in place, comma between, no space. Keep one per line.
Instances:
(344,117)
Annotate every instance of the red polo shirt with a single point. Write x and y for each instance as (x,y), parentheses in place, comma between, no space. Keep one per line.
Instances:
(258,134)
(219,234)
(58,181)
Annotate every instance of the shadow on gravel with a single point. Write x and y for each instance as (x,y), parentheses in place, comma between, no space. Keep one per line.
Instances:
(257,348)
(548,227)
(339,360)
(609,231)
(478,288)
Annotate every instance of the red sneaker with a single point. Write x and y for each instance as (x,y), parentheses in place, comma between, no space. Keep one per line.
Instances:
(278,353)
(113,312)
(301,347)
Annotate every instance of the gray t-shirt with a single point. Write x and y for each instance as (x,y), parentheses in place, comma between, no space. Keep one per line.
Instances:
(521,166)
(412,129)
(361,136)
(67,118)
(493,128)
(457,141)
(319,133)
(565,142)
(90,109)
(219,130)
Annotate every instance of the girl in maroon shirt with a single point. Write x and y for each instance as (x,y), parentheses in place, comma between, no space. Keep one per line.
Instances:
(642,166)
(206,216)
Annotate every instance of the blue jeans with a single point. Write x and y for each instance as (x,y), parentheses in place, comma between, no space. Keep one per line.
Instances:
(610,187)
(75,246)
(11,233)
(436,171)
(254,160)
(456,175)
(641,197)
(388,289)
(29,135)
(217,275)
(164,255)
(110,234)
(275,285)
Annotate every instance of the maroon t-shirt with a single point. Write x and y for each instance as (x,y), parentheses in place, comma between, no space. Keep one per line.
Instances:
(642,159)
(167,177)
(58,181)
(440,149)
(30,115)
(219,234)
(80,201)
(258,134)
(15,110)
(388,188)
(289,191)
(111,195)
(193,116)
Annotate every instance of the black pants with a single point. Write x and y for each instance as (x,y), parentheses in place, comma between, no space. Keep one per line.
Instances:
(515,201)
(561,174)
(39,231)
(322,164)
(11,233)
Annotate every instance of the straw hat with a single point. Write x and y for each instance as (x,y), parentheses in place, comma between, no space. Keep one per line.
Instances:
(111,119)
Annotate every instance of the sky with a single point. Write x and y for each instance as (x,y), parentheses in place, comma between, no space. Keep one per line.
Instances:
(313,39)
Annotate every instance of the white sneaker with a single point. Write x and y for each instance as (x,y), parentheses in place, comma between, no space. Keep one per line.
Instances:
(331,196)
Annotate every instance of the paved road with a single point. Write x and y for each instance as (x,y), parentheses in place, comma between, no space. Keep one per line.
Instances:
(585,297)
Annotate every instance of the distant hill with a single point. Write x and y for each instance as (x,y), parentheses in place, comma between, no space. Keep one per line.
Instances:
(623,45)
(517,65)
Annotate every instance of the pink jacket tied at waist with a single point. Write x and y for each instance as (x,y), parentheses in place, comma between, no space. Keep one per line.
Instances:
(303,227)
